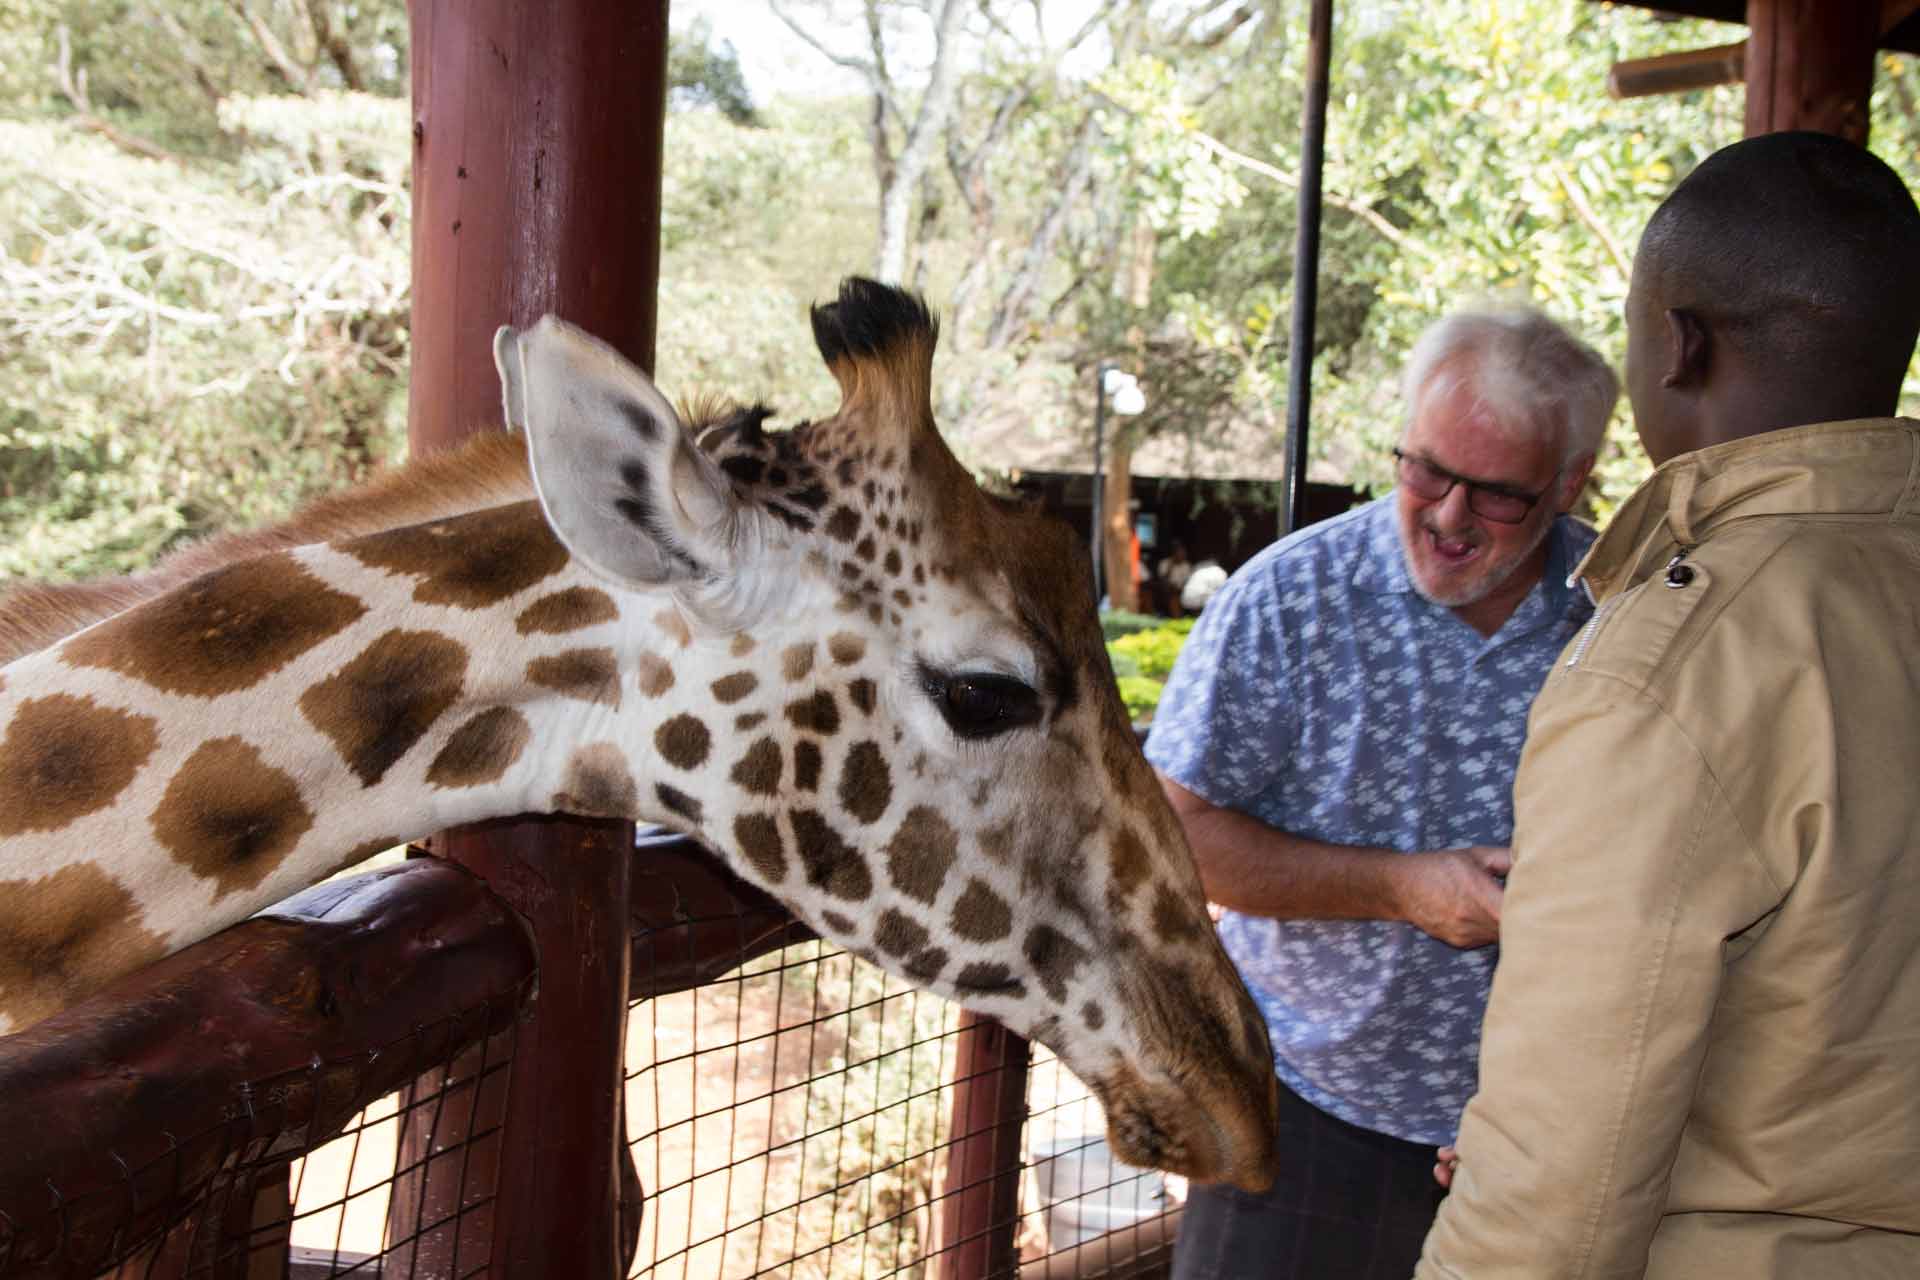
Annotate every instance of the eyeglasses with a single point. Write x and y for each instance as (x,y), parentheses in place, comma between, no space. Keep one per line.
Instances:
(1499,503)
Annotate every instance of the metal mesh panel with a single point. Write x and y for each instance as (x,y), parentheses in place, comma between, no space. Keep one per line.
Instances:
(795,1118)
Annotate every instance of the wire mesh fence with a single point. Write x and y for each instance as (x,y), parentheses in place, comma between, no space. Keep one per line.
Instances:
(793,1111)
(796,1119)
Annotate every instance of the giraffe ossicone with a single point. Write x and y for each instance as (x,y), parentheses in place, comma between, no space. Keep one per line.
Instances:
(874,689)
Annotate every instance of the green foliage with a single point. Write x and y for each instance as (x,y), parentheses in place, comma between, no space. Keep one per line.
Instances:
(1152,651)
(1115,623)
(702,74)
(1141,695)
(1143,658)
(191,349)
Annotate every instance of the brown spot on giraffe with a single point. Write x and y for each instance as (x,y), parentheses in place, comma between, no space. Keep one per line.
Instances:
(225,631)
(229,816)
(846,648)
(843,524)
(980,914)
(675,625)
(376,707)
(1172,920)
(806,766)
(730,689)
(482,749)
(1055,959)
(63,936)
(65,757)
(1093,1015)
(796,661)
(678,802)
(758,771)
(997,841)
(862,694)
(599,784)
(471,561)
(1130,862)
(830,862)
(758,836)
(921,853)
(842,924)
(817,714)
(683,741)
(573,609)
(656,676)
(590,675)
(866,784)
(988,978)
(899,935)
(750,721)
(741,645)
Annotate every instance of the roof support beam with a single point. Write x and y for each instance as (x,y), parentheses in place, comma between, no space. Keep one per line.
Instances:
(1810,65)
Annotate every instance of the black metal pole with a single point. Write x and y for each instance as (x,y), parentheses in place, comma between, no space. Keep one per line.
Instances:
(1306,259)
(1099,482)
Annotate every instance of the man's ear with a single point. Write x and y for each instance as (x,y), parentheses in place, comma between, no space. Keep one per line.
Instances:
(1688,349)
(1573,480)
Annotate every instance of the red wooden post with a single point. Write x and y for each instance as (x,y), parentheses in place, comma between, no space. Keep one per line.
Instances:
(537,146)
(979,1210)
(1810,65)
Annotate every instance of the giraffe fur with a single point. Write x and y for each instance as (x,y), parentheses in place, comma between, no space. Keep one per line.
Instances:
(875,690)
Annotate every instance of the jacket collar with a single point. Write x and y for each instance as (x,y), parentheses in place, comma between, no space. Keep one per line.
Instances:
(1866,467)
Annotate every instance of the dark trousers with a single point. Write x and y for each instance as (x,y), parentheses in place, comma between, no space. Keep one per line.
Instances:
(1349,1204)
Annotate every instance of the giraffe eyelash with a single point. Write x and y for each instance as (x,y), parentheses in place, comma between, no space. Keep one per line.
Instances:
(978,705)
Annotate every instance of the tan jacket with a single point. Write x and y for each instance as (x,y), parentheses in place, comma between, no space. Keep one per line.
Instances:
(1702,1053)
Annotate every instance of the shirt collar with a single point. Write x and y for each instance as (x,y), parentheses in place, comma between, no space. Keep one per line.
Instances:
(1863,467)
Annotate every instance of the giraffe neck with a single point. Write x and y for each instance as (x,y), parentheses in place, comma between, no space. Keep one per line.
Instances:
(275,720)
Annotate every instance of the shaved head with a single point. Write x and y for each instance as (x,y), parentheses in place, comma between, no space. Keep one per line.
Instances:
(1797,255)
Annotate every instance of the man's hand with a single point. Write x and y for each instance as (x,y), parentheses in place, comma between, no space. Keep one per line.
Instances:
(1445,1161)
(1454,894)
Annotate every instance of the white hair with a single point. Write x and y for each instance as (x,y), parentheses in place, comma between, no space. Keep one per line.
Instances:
(1532,375)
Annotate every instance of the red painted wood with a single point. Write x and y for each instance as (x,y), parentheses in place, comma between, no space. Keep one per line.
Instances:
(980,1205)
(537,148)
(1810,65)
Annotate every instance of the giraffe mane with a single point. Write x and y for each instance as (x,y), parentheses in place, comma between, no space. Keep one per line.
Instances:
(485,470)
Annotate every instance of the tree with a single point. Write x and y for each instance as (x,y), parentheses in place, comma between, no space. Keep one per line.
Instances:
(703,74)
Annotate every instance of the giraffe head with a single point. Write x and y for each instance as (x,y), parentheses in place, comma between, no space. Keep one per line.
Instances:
(911,734)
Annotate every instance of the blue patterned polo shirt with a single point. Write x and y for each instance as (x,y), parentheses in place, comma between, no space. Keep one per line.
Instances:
(1322,695)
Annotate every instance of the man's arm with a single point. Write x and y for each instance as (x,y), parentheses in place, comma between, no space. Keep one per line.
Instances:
(1250,867)
(1630,874)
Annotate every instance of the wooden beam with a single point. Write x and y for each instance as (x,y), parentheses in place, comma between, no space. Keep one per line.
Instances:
(537,146)
(1678,72)
(1810,65)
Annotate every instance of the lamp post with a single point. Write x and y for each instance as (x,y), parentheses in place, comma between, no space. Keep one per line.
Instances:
(1128,400)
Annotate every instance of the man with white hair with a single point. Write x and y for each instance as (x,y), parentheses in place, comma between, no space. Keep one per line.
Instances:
(1340,737)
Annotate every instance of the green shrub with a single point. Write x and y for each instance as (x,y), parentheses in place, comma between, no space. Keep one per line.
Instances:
(1115,623)
(1153,651)
(1141,696)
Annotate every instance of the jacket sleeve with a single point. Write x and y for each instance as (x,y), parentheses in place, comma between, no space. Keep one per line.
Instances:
(1630,874)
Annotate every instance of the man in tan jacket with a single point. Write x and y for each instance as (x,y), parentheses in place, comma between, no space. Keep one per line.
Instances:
(1701,1057)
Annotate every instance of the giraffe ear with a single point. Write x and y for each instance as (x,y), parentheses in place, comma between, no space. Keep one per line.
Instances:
(621,480)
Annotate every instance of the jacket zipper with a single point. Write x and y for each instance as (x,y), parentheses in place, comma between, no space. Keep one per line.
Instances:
(1585,638)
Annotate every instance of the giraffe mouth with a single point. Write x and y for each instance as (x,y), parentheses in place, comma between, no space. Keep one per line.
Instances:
(1209,1132)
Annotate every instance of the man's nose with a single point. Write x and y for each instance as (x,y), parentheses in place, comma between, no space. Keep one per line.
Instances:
(1453,510)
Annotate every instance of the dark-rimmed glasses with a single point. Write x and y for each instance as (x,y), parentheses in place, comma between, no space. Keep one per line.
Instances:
(1500,503)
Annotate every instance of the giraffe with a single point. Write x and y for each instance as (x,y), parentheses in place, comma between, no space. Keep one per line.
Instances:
(875,690)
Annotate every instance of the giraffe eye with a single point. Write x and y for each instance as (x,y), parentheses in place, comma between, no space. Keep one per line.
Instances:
(979,704)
